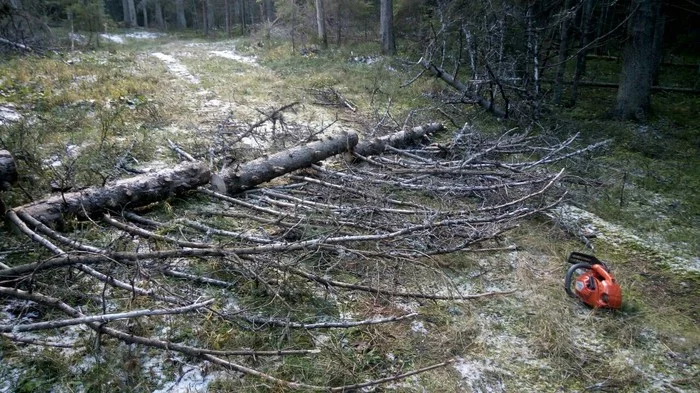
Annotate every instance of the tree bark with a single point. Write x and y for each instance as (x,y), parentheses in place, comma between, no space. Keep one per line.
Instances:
(321,24)
(386,27)
(399,139)
(8,170)
(180,11)
(159,15)
(127,193)
(634,94)
(250,174)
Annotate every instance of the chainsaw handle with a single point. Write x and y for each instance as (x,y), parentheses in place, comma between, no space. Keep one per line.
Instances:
(570,274)
(603,272)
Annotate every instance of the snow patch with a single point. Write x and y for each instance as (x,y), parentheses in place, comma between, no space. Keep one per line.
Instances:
(176,67)
(8,114)
(479,376)
(418,327)
(192,380)
(581,222)
(231,55)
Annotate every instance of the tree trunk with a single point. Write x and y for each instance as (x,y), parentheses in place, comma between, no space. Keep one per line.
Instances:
(269,10)
(250,174)
(145,13)
(586,15)
(132,13)
(205,17)
(398,140)
(227,18)
(210,15)
(159,15)
(180,11)
(634,94)
(321,24)
(137,191)
(386,27)
(8,170)
(563,52)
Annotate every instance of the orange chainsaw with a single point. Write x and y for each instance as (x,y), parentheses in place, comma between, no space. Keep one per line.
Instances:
(596,287)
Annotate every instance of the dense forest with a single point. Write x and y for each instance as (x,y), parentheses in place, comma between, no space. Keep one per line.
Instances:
(347,195)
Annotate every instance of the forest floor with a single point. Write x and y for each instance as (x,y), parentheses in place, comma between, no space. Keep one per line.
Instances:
(137,94)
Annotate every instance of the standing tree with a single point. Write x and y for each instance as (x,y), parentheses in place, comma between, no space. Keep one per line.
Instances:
(386,27)
(129,13)
(640,56)
(321,23)
(180,11)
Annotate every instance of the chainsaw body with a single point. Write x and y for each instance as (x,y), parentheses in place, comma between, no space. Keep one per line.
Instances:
(596,287)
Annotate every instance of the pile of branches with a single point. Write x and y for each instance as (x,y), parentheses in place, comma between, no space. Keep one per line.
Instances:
(376,221)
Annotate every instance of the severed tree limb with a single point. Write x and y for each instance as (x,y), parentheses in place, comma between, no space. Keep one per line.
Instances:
(253,173)
(132,192)
(29,327)
(462,88)
(326,325)
(134,230)
(34,341)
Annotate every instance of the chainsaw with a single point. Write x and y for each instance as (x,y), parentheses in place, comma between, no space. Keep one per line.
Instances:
(596,286)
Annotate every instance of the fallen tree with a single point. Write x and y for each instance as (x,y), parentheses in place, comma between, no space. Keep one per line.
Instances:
(397,207)
(245,176)
(122,194)
(396,140)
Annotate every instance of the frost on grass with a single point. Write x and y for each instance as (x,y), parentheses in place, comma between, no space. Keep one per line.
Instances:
(582,223)
(231,55)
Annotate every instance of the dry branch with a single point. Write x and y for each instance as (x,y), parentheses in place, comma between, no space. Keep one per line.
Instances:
(29,327)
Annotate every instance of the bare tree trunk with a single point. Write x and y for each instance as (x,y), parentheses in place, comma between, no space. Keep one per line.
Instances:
(205,19)
(398,140)
(159,15)
(180,11)
(386,27)
(242,10)
(586,15)
(145,13)
(563,52)
(8,170)
(321,24)
(269,10)
(250,174)
(227,19)
(210,15)
(129,13)
(137,191)
(132,13)
(634,94)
